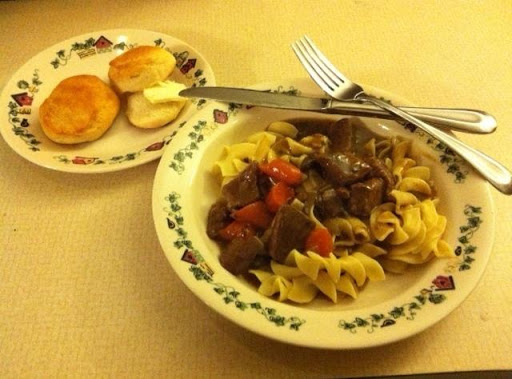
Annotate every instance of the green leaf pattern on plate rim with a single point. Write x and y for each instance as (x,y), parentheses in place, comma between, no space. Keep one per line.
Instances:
(20,107)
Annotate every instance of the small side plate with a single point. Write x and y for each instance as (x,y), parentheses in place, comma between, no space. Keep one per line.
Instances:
(123,145)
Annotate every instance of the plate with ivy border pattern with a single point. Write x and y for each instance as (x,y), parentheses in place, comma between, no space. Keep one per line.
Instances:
(384,312)
(123,145)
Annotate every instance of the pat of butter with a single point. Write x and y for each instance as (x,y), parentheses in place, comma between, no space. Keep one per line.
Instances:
(164,92)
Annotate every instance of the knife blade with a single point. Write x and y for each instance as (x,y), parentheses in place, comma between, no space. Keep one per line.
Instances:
(464,120)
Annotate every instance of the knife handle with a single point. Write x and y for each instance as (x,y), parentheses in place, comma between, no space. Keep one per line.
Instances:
(462,120)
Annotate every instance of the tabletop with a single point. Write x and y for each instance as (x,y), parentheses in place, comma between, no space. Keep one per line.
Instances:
(85,287)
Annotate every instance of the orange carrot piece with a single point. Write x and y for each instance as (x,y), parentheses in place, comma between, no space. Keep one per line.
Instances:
(255,214)
(282,171)
(236,229)
(279,195)
(320,241)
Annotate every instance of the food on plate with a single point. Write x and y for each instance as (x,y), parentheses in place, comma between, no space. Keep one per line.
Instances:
(140,67)
(311,207)
(164,92)
(80,109)
(142,74)
(144,114)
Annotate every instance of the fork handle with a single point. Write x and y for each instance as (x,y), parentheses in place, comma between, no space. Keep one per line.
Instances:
(497,174)
(462,120)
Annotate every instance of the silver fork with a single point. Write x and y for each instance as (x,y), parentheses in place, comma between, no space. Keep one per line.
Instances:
(337,85)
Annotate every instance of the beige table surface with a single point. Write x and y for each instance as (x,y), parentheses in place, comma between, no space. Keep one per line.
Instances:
(85,288)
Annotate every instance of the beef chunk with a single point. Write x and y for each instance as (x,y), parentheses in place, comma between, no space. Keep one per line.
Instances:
(243,189)
(341,136)
(341,169)
(289,231)
(265,183)
(343,193)
(364,196)
(328,204)
(380,170)
(339,132)
(239,254)
(307,127)
(218,218)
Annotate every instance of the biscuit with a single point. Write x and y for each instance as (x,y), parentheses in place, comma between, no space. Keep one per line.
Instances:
(143,114)
(140,67)
(80,109)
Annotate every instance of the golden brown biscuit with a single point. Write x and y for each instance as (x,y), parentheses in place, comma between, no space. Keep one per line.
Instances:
(140,67)
(80,109)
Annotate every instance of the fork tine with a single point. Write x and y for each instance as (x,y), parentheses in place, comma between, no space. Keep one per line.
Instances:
(304,58)
(319,61)
(324,60)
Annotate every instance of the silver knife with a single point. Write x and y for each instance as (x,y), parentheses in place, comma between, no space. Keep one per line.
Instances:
(464,120)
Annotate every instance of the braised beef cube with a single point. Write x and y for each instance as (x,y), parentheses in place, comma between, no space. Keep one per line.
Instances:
(341,136)
(341,169)
(306,163)
(361,136)
(240,253)
(328,204)
(307,127)
(380,170)
(343,193)
(364,196)
(218,218)
(339,132)
(265,183)
(260,262)
(289,231)
(243,189)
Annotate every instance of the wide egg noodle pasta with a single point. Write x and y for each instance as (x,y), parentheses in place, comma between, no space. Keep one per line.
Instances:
(411,184)
(412,226)
(330,264)
(371,250)
(275,142)
(348,231)
(303,290)
(414,230)
(346,285)
(373,269)
(403,199)
(263,145)
(420,172)
(271,284)
(240,151)
(283,128)
(384,222)
(296,148)
(303,275)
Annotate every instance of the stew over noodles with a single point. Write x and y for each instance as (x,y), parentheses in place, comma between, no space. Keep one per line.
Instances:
(313,207)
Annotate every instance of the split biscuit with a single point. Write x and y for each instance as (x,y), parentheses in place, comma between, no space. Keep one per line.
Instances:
(144,114)
(140,67)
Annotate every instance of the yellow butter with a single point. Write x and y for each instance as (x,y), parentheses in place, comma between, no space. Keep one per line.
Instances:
(164,92)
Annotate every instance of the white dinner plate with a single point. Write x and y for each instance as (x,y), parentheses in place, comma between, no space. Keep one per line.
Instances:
(388,311)
(123,145)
